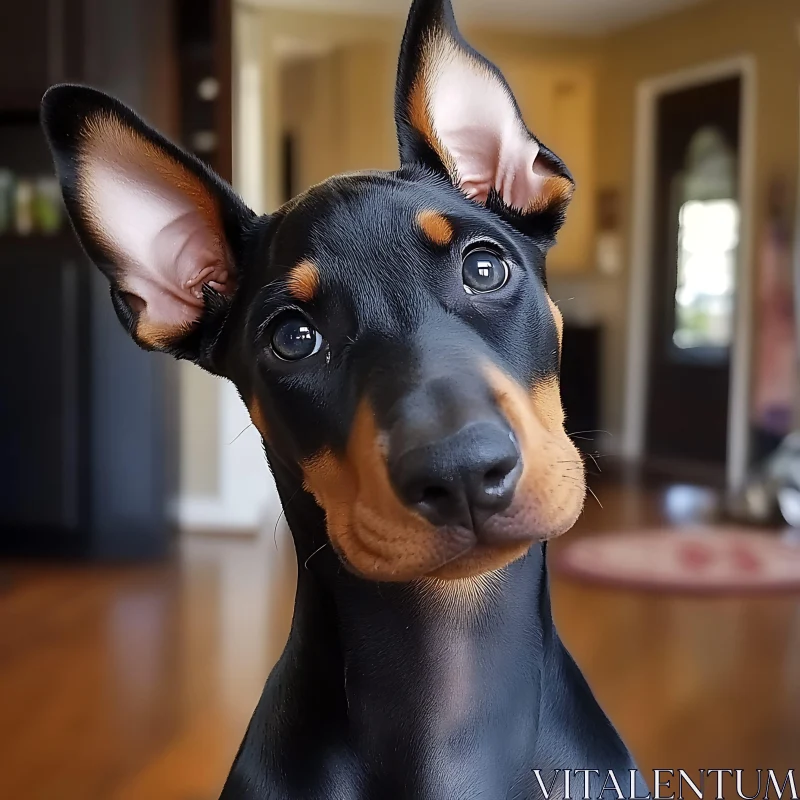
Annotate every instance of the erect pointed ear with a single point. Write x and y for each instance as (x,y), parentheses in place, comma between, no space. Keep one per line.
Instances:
(455,113)
(163,228)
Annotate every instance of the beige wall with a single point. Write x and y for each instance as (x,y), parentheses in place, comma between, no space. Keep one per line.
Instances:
(339,106)
(767,30)
(339,103)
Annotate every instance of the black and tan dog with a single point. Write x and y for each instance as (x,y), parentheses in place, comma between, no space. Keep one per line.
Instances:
(392,336)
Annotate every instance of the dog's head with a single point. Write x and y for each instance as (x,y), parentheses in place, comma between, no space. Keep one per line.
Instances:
(391,333)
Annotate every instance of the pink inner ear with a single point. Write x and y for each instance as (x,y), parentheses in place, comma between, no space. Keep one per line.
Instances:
(165,248)
(477,123)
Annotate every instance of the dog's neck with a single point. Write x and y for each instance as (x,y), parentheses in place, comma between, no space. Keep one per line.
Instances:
(437,683)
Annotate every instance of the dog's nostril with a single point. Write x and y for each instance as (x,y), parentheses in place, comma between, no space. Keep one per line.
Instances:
(496,475)
(498,479)
(434,494)
(462,479)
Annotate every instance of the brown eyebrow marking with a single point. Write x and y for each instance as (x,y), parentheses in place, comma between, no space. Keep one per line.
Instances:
(303,281)
(436,227)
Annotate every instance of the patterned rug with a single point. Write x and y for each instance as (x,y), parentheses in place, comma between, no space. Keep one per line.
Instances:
(689,561)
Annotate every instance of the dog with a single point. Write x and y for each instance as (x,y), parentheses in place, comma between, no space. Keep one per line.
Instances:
(393,339)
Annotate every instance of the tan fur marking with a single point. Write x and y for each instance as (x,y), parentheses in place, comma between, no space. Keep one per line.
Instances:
(556,190)
(559,320)
(552,488)
(436,227)
(155,336)
(377,534)
(380,538)
(257,415)
(303,281)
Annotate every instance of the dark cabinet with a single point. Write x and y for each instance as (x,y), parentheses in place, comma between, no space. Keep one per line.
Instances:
(43,397)
(40,44)
(581,383)
(25,52)
(87,420)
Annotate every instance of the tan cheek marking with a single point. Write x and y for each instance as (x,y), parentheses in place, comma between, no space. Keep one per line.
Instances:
(556,191)
(366,521)
(559,320)
(436,227)
(546,397)
(550,492)
(552,488)
(257,415)
(527,412)
(334,488)
(303,281)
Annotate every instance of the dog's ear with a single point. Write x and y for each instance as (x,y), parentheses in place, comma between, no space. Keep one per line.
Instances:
(163,228)
(456,114)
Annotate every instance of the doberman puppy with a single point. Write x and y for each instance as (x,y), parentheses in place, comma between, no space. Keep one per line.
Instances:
(393,339)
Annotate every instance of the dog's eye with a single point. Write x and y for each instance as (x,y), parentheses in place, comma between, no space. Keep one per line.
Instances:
(295,338)
(484,272)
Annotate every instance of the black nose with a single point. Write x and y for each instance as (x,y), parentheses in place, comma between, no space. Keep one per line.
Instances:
(462,479)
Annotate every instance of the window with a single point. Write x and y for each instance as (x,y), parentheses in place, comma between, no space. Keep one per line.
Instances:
(708,241)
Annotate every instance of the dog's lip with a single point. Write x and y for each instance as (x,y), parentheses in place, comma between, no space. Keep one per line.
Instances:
(486,541)
(455,531)
(470,548)
(476,542)
(486,547)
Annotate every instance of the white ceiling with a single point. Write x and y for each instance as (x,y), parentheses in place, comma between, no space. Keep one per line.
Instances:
(571,16)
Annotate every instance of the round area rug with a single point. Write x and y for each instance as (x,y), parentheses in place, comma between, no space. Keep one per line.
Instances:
(688,561)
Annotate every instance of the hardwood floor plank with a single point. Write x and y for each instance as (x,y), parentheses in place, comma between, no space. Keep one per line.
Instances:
(138,683)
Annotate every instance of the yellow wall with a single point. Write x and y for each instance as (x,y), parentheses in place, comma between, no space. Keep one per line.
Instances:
(339,106)
(340,103)
(713,31)
(699,35)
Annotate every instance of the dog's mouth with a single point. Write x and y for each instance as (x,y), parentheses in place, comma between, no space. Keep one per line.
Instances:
(383,530)
(377,549)
(381,548)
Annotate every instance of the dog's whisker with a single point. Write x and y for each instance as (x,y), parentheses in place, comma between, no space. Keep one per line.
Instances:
(236,439)
(318,550)
(281,516)
(594,461)
(591,491)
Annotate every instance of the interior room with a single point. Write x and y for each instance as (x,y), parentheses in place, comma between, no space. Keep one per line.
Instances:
(148,573)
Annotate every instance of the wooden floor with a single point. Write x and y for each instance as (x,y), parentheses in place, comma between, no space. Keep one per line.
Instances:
(138,683)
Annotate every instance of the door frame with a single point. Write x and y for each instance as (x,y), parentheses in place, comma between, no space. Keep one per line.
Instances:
(637,381)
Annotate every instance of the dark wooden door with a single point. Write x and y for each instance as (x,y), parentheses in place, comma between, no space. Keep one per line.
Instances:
(696,229)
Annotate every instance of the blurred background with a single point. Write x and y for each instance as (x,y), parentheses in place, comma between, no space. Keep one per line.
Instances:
(147,580)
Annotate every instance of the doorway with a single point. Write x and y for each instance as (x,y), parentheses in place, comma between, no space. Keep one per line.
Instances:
(696,237)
